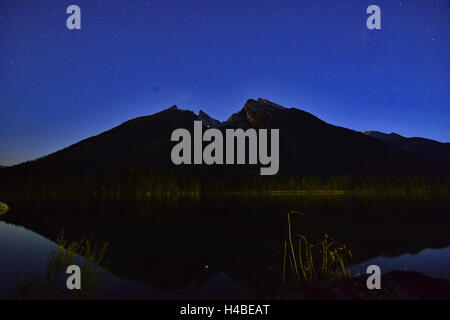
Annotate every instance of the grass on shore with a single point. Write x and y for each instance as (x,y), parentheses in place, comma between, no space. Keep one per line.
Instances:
(313,263)
(52,283)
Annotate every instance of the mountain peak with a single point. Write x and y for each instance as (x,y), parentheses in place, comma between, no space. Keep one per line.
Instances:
(207,120)
(253,110)
(261,105)
(270,103)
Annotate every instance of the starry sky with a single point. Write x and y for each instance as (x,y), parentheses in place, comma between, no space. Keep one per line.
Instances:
(134,57)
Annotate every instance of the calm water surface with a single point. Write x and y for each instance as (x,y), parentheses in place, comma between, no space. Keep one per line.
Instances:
(223,247)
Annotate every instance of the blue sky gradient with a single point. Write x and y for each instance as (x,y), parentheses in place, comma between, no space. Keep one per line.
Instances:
(134,58)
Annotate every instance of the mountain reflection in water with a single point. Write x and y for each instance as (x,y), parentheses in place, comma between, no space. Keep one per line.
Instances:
(225,246)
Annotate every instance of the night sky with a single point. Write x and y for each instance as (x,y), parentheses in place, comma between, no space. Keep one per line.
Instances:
(133,58)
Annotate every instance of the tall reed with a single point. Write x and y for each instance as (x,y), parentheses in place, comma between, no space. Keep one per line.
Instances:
(313,262)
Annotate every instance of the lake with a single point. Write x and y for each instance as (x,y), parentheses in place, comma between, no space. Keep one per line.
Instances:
(224,246)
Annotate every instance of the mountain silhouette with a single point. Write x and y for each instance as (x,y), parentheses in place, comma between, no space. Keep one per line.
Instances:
(308,146)
(422,147)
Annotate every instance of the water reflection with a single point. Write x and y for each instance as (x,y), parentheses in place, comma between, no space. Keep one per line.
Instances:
(435,262)
(166,243)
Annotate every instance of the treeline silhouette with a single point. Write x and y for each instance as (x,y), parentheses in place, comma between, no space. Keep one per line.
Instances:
(132,182)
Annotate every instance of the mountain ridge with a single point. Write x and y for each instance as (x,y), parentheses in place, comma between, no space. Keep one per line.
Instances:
(308,145)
